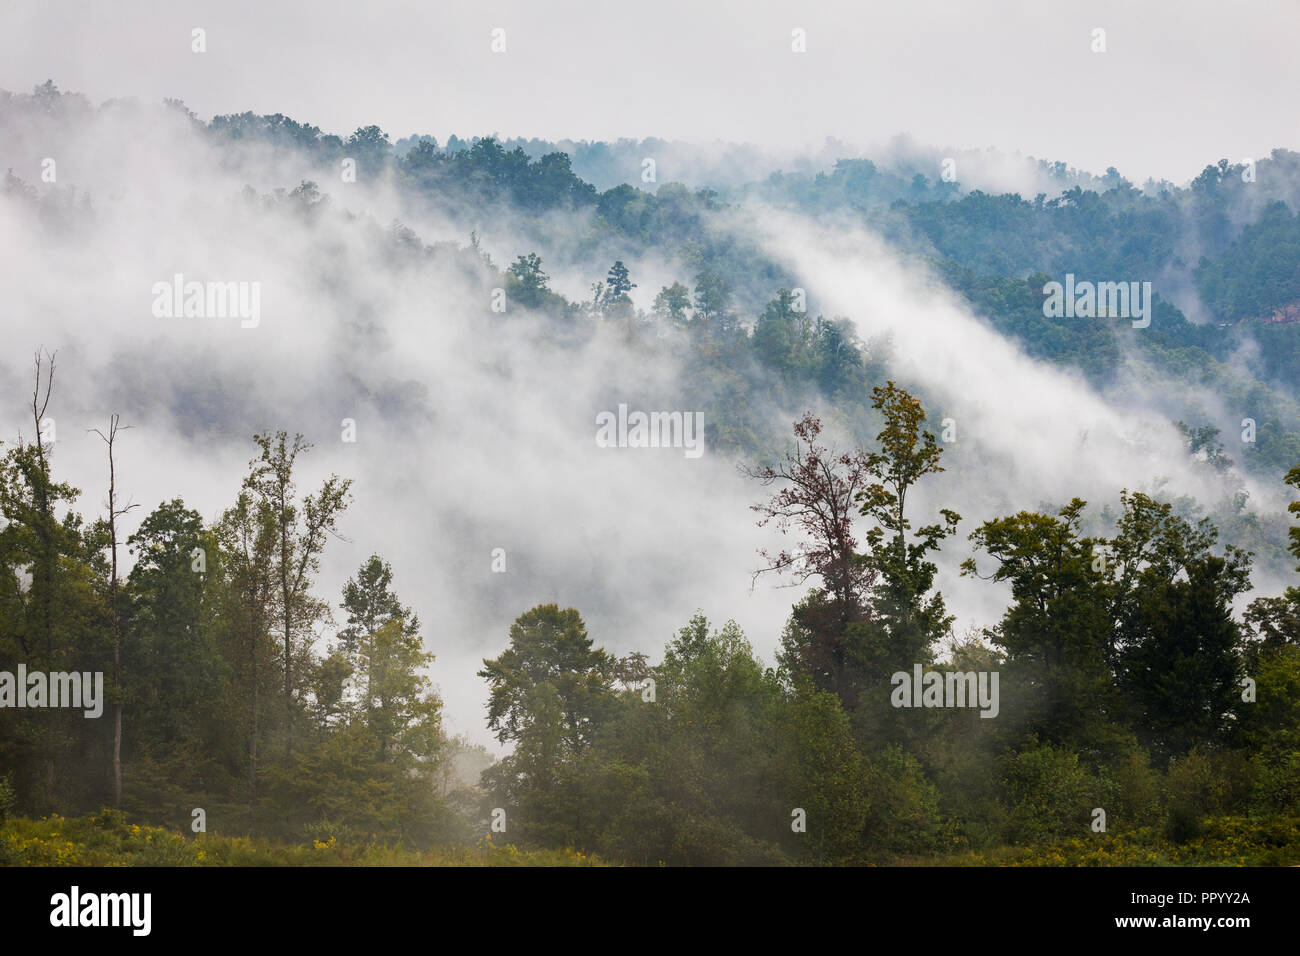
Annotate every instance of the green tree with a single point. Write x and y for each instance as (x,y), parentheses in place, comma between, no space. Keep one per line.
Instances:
(53,615)
(781,335)
(671,303)
(825,775)
(1173,643)
(369,602)
(370,145)
(1182,666)
(617,286)
(548,646)
(526,283)
(908,618)
(301,531)
(722,795)
(248,535)
(713,299)
(1057,627)
(398,703)
(178,696)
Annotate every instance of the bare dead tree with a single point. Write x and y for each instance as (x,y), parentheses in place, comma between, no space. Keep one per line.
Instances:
(114,513)
(41,499)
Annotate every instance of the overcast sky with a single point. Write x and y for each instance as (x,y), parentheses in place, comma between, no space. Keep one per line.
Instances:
(1180,84)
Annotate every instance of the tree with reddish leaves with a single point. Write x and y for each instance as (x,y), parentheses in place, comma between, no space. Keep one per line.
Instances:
(817,501)
(875,612)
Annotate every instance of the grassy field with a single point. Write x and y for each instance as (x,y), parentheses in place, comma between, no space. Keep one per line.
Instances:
(107,839)
(1222,841)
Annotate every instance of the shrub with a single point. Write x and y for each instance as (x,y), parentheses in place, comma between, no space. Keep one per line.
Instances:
(1183,823)
(8,799)
(903,805)
(1277,782)
(1213,783)
(1204,784)
(1051,796)
(1138,798)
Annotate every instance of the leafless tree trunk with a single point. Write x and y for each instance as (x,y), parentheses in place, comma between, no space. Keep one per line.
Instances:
(40,493)
(113,514)
(47,558)
(252,740)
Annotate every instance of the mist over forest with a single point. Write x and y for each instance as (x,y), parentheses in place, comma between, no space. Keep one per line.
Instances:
(387,560)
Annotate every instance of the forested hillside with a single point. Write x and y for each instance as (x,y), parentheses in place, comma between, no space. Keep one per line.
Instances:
(1137,685)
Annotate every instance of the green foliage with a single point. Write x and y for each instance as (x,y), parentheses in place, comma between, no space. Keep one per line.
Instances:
(712,297)
(1184,822)
(527,284)
(1277,782)
(671,303)
(108,839)
(8,799)
(346,781)
(1182,661)
(1049,794)
(617,285)
(1205,783)
(826,774)
(911,618)
(1260,272)
(550,664)
(1055,634)
(1136,798)
(904,815)
(1219,841)
(1293,479)
(370,603)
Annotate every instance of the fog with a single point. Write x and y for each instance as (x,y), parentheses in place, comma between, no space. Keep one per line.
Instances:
(1178,81)
(466,441)
(471,439)
(1027,435)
